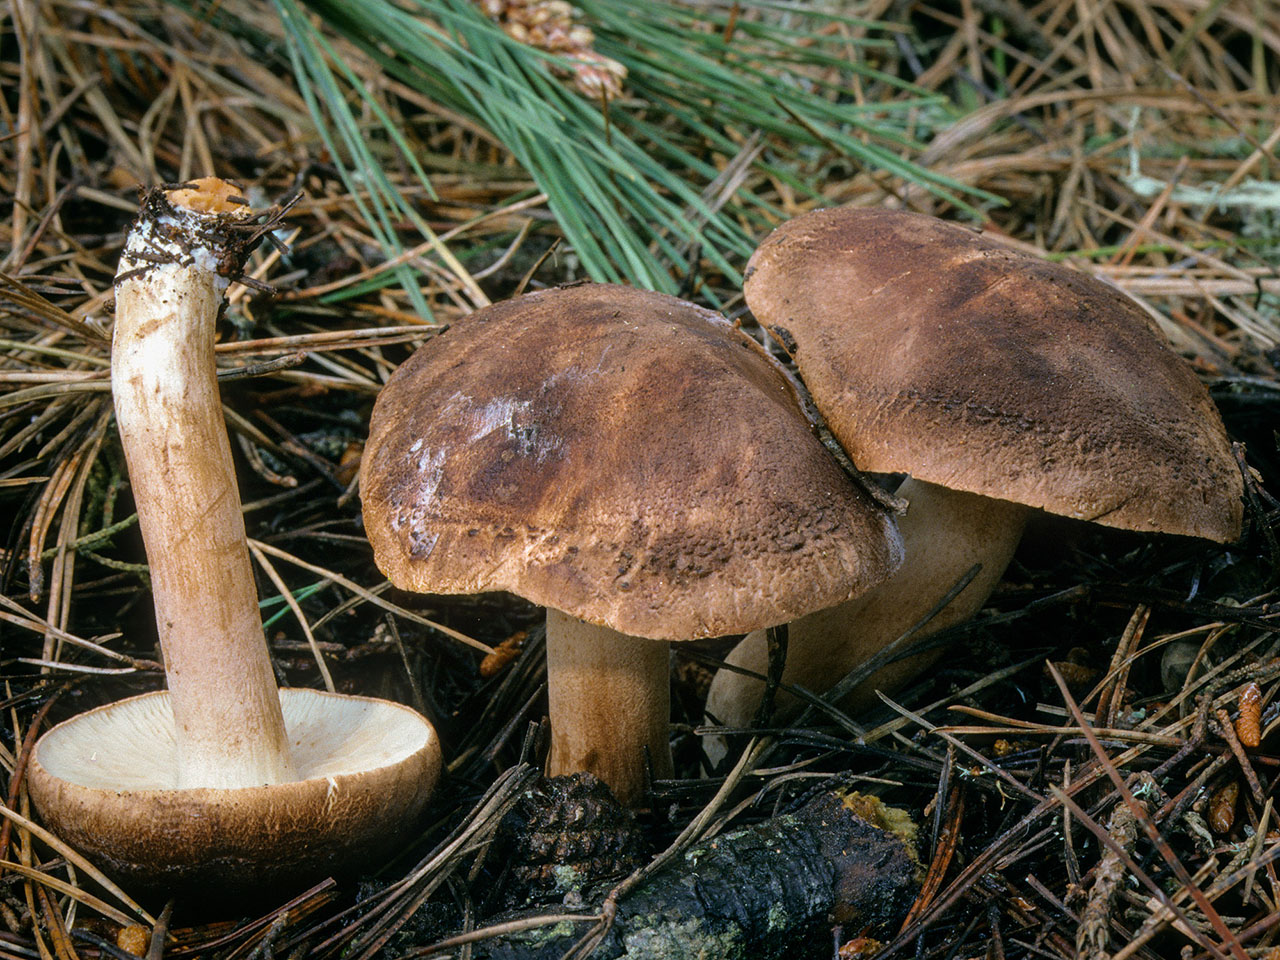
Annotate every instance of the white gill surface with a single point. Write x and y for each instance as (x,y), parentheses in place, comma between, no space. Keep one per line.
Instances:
(130,745)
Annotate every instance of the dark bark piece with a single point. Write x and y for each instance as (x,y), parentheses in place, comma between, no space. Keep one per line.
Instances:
(771,890)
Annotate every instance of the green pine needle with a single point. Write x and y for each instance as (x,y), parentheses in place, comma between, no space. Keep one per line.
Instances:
(635,192)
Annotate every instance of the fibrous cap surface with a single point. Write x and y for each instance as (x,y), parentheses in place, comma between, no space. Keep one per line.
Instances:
(622,456)
(933,351)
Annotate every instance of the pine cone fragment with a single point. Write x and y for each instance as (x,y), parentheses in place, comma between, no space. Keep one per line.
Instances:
(549,25)
(564,833)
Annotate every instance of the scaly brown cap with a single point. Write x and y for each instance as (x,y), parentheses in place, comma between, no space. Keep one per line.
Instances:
(622,456)
(936,352)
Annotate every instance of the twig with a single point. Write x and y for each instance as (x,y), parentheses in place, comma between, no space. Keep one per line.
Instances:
(1095,920)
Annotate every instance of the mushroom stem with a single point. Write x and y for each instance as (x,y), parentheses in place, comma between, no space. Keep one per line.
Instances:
(944,533)
(229,728)
(609,699)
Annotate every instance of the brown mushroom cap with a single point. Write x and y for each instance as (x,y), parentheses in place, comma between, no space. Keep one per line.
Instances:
(936,352)
(106,782)
(622,456)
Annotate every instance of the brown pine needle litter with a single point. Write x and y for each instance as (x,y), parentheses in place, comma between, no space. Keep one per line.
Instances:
(1094,777)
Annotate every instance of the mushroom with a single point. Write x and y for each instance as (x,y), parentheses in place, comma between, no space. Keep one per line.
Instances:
(220,781)
(635,465)
(1001,384)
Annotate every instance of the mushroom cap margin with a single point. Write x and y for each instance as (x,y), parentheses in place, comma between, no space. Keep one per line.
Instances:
(160,838)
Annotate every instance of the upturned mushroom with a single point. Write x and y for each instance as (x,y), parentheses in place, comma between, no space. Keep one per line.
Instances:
(635,465)
(221,782)
(1000,384)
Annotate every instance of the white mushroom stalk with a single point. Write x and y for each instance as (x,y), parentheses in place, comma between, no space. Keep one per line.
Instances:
(609,700)
(183,251)
(944,534)
(210,790)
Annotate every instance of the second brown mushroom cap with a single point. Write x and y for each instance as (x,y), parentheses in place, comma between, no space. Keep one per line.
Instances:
(634,464)
(999,383)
